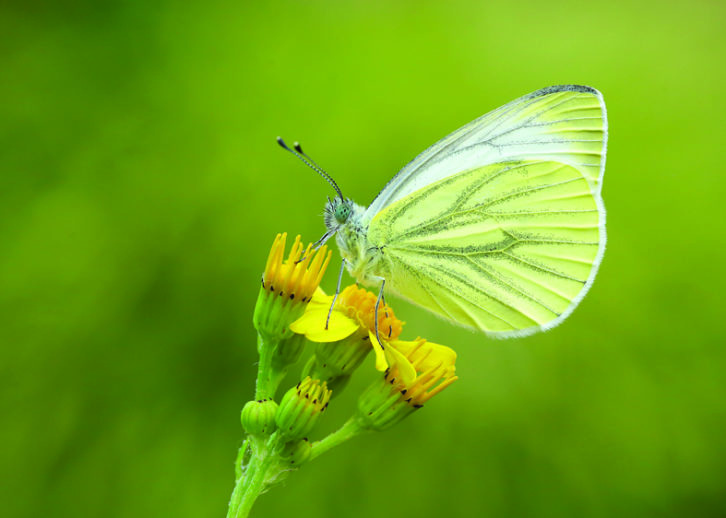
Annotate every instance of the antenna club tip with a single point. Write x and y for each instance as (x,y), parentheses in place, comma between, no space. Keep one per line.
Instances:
(281,143)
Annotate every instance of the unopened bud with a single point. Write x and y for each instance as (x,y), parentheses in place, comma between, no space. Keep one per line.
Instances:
(258,417)
(296,452)
(300,408)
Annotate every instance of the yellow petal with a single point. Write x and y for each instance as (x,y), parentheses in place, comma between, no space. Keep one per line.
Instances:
(426,354)
(387,355)
(312,325)
(406,371)
(319,297)
(381,362)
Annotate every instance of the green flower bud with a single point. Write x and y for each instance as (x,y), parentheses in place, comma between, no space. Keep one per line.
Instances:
(383,404)
(334,362)
(288,351)
(258,417)
(296,453)
(300,408)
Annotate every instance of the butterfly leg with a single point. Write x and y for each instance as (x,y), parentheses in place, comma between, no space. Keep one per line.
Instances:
(337,290)
(320,242)
(385,312)
(378,302)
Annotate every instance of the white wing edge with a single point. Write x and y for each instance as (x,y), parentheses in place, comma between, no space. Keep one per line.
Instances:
(604,144)
(576,301)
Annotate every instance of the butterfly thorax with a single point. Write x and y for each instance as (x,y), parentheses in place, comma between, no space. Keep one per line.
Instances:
(364,259)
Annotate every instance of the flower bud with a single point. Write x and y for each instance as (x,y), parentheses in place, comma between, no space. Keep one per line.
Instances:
(334,362)
(258,417)
(300,408)
(288,351)
(296,453)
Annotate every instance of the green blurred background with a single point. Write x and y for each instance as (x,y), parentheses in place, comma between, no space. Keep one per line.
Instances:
(141,186)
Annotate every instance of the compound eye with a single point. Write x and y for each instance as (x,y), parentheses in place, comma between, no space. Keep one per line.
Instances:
(342,213)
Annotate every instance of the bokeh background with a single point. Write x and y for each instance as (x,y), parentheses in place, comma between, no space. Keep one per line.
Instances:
(141,186)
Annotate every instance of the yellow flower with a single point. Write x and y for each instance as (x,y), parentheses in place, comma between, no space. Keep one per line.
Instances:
(294,278)
(396,396)
(435,367)
(354,316)
(287,286)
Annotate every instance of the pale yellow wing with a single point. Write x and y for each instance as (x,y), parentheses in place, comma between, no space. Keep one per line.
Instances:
(508,248)
(564,123)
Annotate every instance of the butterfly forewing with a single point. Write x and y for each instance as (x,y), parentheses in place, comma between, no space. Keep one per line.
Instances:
(565,124)
(507,248)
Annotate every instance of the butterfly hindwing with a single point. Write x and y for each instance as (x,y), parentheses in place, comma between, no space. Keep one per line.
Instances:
(507,248)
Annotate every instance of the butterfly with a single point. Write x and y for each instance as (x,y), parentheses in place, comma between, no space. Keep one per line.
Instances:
(499,227)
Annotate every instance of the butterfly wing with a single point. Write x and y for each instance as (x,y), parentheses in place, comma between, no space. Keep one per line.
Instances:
(508,248)
(566,123)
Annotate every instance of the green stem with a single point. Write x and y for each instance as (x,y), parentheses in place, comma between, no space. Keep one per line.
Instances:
(248,487)
(252,489)
(240,460)
(350,429)
(268,378)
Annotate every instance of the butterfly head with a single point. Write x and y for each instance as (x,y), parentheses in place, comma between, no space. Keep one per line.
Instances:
(340,212)
(337,212)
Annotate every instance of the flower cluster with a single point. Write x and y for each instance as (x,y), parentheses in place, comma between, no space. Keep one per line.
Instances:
(291,312)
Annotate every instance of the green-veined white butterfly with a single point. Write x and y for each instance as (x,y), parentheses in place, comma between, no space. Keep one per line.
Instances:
(499,226)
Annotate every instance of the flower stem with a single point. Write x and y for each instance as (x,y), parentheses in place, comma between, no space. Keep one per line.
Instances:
(253,485)
(249,486)
(350,429)
(268,378)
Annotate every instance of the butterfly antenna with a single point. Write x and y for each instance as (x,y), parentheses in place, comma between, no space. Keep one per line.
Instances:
(298,152)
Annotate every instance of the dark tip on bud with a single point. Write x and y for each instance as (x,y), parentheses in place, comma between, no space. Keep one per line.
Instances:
(417,406)
(404,391)
(292,296)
